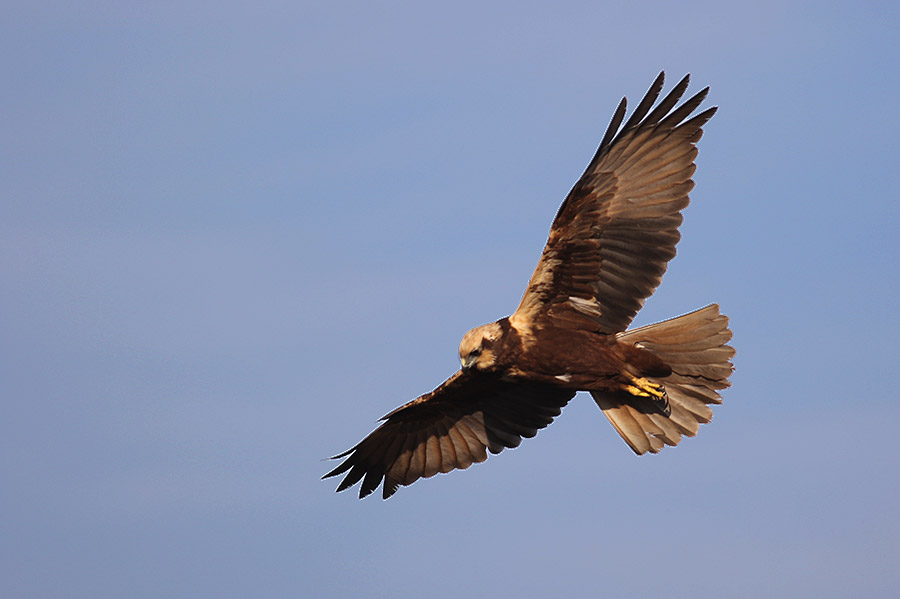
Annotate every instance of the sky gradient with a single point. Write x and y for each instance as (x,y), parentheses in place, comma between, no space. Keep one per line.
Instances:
(232,237)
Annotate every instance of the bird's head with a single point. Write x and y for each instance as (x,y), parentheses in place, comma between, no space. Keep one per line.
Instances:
(476,348)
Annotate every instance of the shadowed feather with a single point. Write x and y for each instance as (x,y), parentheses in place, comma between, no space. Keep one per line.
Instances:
(449,428)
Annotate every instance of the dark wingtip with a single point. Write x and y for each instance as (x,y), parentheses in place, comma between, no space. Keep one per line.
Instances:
(388,490)
(364,492)
(614,123)
(660,79)
(702,118)
(340,455)
(341,468)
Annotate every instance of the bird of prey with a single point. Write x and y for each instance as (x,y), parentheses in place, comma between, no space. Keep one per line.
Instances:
(607,251)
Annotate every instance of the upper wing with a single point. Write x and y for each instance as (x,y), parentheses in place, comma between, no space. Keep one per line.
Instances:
(617,229)
(449,428)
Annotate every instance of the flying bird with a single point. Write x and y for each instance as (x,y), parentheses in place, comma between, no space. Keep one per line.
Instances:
(607,251)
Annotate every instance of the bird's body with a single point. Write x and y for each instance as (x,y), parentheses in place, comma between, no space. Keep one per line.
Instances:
(607,251)
(580,359)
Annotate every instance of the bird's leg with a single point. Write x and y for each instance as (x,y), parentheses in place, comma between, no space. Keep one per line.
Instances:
(642,387)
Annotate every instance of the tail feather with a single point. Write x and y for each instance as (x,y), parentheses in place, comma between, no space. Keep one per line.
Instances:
(695,347)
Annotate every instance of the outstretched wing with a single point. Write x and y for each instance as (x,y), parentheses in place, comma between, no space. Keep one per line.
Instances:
(452,427)
(617,229)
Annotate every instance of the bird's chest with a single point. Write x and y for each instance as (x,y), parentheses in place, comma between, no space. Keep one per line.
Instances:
(566,355)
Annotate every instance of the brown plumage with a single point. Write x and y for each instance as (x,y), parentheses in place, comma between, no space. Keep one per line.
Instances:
(607,251)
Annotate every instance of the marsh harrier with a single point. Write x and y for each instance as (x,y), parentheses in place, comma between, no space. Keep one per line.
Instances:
(608,249)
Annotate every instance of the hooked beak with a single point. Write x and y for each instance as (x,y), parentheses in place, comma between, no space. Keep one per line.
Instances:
(467,362)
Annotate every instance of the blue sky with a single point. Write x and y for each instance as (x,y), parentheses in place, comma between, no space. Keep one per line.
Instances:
(232,237)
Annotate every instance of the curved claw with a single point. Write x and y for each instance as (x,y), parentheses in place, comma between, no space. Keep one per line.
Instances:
(642,387)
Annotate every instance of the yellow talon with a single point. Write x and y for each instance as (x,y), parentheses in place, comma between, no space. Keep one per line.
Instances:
(642,387)
(636,391)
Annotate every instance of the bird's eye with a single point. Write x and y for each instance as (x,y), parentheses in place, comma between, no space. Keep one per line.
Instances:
(475,352)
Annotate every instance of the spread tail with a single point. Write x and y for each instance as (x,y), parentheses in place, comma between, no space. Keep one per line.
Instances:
(694,346)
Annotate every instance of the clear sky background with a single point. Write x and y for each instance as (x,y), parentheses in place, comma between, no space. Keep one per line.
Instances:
(233,235)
